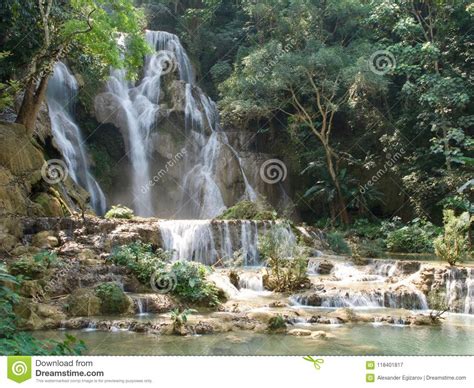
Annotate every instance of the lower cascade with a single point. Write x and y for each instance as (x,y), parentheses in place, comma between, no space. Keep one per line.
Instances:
(207,241)
(460,289)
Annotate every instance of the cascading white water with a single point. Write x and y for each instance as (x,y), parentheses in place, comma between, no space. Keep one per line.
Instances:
(204,139)
(62,90)
(251,281)
(189,240)
(207,141)
(460,290)
(206,241)
(140,107)
(366,287)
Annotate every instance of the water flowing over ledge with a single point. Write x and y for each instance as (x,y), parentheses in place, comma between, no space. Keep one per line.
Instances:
(141,110)
(378,283)
(61,94)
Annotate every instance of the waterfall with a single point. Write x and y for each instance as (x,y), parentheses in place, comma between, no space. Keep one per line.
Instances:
(207,241)
(140,106)
(62,90)
(399,298)
(460,290)
(189,240)
(139,113)
(251,280)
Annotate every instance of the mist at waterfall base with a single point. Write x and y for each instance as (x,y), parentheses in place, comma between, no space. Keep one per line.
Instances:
(61,94)
(140,114)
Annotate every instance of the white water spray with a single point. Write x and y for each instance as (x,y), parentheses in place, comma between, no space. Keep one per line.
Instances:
(62,90)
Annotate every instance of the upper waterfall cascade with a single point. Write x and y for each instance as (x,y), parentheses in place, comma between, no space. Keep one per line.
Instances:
(141,108)
(62,90)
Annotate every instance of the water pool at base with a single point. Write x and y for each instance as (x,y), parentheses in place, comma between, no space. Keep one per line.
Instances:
(454,337)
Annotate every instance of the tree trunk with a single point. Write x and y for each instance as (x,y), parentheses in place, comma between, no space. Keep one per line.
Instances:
(31,104)
(332,172)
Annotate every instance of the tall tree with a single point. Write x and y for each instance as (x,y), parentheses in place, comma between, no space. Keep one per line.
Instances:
(90,26)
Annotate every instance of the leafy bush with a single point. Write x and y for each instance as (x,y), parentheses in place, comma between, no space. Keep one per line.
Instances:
(192,285)
(113,299)
(371,248)
(141,259)
(337,243)
(365,229)
(276,323)
(15,342)
(188,278)
(417,237)
(119,211)
(453,245)
(286,260)
(248,210)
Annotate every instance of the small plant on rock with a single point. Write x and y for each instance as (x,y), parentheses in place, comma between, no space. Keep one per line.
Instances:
(119,211)
(113,299)
(276,323)
(179,320)
(438,305)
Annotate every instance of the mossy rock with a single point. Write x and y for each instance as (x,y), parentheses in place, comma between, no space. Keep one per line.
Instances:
(248,210)
(7,242)
(83,302)
(38,316)
(27,267)
(119,211)
(31,288)
(45,239)
(113,299)
(50,205)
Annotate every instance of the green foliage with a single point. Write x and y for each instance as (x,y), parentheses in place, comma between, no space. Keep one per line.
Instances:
(337,243)
(416,237)
(140,259)
(15,342)
(362,227)
(371,248)
(438,304)
(249,210)
(33,267)
(119,211)
(453,245)
(286,261)
(191,284)
(180,318)
(276,323)
(9,89)
(113,299)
